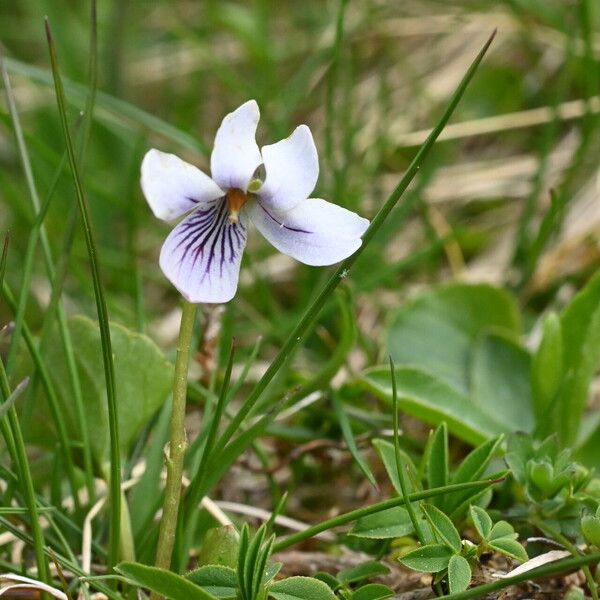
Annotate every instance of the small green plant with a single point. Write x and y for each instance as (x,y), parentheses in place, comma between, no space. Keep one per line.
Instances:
(449,557)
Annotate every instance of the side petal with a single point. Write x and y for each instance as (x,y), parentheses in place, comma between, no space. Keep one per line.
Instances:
(173,187)
(316,232)
(202,255)
(292,168)
(236,156)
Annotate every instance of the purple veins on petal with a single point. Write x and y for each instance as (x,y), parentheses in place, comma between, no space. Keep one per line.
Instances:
(202,255)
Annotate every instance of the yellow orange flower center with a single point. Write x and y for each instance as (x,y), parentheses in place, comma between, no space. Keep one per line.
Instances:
(235,200)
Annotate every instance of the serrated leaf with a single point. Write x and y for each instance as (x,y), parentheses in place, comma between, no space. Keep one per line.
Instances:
(437,464)
(391,523)
(372,591)
(459,574)
(387,454)
(364,570)
(162,582)
(218,580)
(482,521)
(301,588)
(509,547)
(443,527)
(432,558)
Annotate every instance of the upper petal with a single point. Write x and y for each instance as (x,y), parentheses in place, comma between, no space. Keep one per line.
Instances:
(202,255)
(173,187)
(292,168)
(236,156)
(315,232)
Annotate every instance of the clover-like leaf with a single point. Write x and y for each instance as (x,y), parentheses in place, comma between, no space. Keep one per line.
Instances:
(301,588)
(482,521)
(443,527)
(431,558)
(459,574)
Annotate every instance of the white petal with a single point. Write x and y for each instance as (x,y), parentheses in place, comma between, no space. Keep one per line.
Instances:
(236,156)
(315,232)
(202,255)
(292,168)
(173,187)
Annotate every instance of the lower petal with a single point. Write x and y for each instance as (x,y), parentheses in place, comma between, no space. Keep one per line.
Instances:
(315,232)
(202,255)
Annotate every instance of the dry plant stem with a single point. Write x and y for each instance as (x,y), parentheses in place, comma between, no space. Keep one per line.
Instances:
(177,441)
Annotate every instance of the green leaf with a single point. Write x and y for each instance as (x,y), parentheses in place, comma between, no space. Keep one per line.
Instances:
(482,521)
(443,527)
(162,582)
(301,588)
(436,331)
(437,464)
(387,454)
(470,469)
(547,365)
(372,591)
(425,397)
(328,579)
(432,558)
(502,529)
(385,524)
(143,380)
(217,580)
(509,547)
(364,570)
(459,574)
(590,527)
(501,381)
(580,324)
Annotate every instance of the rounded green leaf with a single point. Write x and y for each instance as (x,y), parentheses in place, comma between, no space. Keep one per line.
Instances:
(443,527)
(372,591)
(217,580)
(501,381)
(509,547)
(220,547)
(459,574)
(301,588)
(432,558)
(369,568)
(590,527)
(163,582)
(481,520)
(435,332)
(391,523)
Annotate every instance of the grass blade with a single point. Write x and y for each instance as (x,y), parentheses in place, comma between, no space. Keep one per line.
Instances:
(341,272)
(115,460)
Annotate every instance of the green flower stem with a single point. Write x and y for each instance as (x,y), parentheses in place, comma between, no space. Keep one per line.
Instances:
(177,442)
(353,515)
(25,480)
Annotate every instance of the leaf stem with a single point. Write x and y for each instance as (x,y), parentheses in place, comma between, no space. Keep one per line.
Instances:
(177,442)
